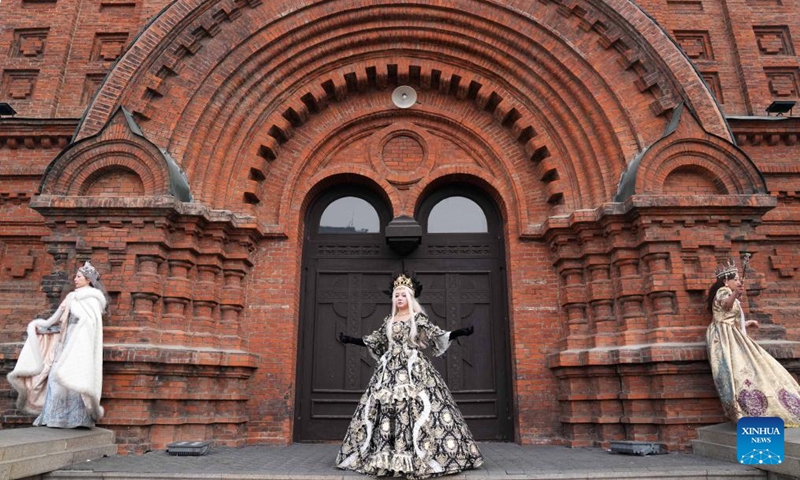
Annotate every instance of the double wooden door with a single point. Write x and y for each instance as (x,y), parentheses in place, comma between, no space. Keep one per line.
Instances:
(346,285)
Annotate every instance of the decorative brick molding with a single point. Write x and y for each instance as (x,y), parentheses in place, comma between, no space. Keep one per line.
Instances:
(685,5)
(633,336)
(119,147)
(714,84)
(108,47)
(784,82)
(696,44)
(727,169)
(18,84)
(541,106)
(289,97)
(33,133)
(156,254)
(29,42)
(186,388)
(755,132)
(90,86)
(773,40)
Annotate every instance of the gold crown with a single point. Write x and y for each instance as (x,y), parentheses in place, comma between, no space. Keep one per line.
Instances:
(403,281)
(725,269)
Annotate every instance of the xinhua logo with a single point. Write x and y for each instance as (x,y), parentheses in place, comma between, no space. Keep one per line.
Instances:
(759,440)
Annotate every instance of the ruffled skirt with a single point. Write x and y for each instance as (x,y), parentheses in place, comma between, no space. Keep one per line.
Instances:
(408,425)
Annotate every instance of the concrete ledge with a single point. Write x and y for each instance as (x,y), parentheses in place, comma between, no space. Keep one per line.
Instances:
(25,452)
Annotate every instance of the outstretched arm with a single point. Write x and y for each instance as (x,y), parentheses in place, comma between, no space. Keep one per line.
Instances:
(354,340)
(462,332)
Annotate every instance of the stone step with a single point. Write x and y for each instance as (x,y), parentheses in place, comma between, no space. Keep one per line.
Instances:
(714,450)
(719,441)
(26,452)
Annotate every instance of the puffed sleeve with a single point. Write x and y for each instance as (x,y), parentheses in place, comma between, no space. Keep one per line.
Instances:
(722,294)
(437,339)
(377,342)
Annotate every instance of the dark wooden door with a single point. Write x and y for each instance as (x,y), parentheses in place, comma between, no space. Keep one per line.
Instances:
(459,294)
(345,282)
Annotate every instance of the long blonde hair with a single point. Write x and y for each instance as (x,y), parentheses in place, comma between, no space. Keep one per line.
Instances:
(415,308)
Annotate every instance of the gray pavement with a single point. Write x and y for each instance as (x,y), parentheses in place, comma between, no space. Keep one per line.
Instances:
(506,461)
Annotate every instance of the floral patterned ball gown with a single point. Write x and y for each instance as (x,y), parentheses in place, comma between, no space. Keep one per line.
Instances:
(749,381)
(407,423)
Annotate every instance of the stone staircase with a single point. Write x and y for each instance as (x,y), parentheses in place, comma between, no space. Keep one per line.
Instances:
(719,441)
(29,452)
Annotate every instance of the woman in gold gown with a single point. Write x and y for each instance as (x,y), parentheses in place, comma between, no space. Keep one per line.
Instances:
(750,382)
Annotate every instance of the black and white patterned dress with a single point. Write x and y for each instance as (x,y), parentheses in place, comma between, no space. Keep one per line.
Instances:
(407,423)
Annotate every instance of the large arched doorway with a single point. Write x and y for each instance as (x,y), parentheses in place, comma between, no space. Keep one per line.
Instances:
(347,270)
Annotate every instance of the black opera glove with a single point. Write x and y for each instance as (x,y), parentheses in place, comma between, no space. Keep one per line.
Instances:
(354,340)
(462,332)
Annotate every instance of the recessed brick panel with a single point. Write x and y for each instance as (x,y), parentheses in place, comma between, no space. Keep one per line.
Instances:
(714,83)
(696,44)
(108,47)
(90,86)
(402,153)
(114,182)
(774,40)
(685,5)
(691,181)
(783,82)
(29,43)
(18,84)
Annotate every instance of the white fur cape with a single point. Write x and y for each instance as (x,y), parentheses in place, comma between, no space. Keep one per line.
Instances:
(80,364)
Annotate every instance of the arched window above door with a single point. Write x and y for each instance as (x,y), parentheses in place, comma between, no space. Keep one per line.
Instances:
(349,215)
(457,214)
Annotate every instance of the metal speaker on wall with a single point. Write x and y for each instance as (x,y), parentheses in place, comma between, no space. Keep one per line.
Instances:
(404,96)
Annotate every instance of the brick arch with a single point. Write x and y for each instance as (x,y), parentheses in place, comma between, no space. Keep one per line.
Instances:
(494,166)
(71,174)
(476,178)
(727,167)
(313,187)
(119,146)
(204,64)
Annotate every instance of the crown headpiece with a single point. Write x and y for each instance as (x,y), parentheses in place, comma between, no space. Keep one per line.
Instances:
(89,272)
(403,281)
(407,281)
(725,269)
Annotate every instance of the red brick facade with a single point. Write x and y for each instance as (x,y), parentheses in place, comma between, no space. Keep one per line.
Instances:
(626,158)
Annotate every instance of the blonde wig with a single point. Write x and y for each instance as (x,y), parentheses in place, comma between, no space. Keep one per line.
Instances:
(416,309)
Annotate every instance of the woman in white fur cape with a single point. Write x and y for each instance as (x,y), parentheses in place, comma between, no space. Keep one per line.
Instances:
(59,373)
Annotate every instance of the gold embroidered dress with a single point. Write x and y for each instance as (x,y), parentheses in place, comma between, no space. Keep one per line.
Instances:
(407,423)
(749,381)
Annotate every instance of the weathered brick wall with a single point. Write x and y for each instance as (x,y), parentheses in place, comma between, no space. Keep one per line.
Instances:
(56,53)
(265,109)
(746,50)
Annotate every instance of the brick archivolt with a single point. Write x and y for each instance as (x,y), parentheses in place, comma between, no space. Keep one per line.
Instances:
(721,162)
(116,148)
(311,167)
(580,86)
(688,149)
